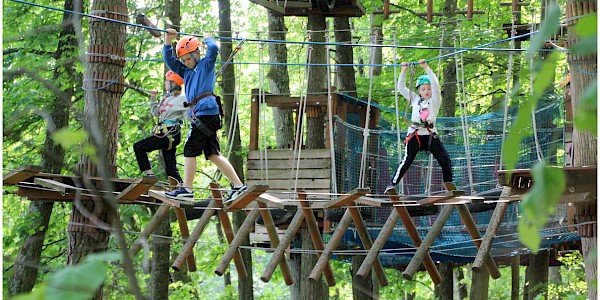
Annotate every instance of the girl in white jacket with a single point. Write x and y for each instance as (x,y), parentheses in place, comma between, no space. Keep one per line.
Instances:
(167,133)
(422,134)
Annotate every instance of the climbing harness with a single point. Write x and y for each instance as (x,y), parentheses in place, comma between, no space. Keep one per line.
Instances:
(167,129)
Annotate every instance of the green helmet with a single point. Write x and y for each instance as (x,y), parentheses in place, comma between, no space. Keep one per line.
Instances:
(423,79)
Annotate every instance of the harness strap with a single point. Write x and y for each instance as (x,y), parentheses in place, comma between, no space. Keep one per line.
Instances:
(161,131)
(202,127)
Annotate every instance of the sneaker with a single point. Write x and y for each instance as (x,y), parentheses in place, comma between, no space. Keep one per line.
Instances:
(181,194)
(235,192)
(389,188)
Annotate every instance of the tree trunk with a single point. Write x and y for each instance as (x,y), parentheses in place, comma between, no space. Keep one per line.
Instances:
(377,39)
(317,83)
(446,288)
(480,283)
(102,101)
(294,263)
(279,82)
(449,73)
(310,290)
(245,286)
(53,155)
(536,279)
(460,289)
(585,143)
(161,262)
(345,77)
(361,289)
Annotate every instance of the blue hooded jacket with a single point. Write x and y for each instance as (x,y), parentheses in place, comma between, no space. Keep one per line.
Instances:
(199,80)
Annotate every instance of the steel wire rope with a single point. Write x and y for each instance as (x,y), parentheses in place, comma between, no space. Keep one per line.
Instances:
(397,115)
(363,161)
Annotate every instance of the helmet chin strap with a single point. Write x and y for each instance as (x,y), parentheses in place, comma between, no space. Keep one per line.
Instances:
(194,57)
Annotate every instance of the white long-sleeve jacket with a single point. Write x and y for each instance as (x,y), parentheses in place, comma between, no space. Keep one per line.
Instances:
(433,104)
(171,108)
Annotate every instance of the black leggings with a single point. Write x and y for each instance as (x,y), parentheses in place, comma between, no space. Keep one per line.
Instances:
(412,148)
(151,143)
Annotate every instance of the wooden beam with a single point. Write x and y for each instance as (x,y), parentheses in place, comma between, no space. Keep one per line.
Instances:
(246,197)
(373,253)
(347,199)
(20,174)
(279,253)
(315,235)
(376,202)
(185,233)
(269,5)
(137,188)
(441,197)
(254,120)
(160,195)
(490,233)
(228,230)
(274,237)
(55,185)
(335,239)
(237,241)
(413,234)
(188,247)
(363,233)
(423,249)
(158,216)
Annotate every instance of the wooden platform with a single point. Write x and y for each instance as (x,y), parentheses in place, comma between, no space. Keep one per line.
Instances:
(314,171)
(339,8)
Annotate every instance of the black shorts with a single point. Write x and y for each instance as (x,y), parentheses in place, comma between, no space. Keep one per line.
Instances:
(197,142)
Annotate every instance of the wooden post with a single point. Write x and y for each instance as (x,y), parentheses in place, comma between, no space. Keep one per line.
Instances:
(480,285)
(159,215)
(488,238)
(254,120)
(515,280)
(185,233)
(373,254)
(188,247)
(469,9)
(433,233)
(237,241)
(285,242)
(272,231)
(429,11)
(467,219)
(228,230)
(315,235)
(339,232)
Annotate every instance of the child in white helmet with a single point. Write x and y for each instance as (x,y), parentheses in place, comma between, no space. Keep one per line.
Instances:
(205,109)
(167,133)
(422,134)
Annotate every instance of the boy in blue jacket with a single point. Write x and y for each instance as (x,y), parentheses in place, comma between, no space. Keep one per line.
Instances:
(205,109)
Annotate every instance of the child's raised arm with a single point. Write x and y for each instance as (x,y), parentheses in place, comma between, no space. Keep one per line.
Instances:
(401,85)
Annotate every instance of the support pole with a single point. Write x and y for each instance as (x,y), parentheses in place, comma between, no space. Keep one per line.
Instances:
(185,233)
(315,235)
(272,231)
(279,253)
(423,250)
(367,244)
(228,230)
(373,254)
(159,215)
(339,232)
(467,219)
(237,241)
(488,238)
(194,236)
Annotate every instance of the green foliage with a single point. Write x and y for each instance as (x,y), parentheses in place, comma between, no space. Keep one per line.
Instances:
(572,284)
(75,282)
(70,139)
(539,203)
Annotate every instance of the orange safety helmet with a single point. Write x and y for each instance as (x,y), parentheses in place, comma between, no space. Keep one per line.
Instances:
(187,44)
(174,77)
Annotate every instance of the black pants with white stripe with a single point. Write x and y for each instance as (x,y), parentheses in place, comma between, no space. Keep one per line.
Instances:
(421,143)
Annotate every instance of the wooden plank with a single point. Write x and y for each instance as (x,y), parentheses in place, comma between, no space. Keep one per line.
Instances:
(271,6)
(302,184)
(376,202)
(160,195)
(55,185)
(287,164)
(137,188)
(347,199)
(246,197)
(289,154)
(20,174)
(287,174)
(441,197)
(273,201)
(294,102)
